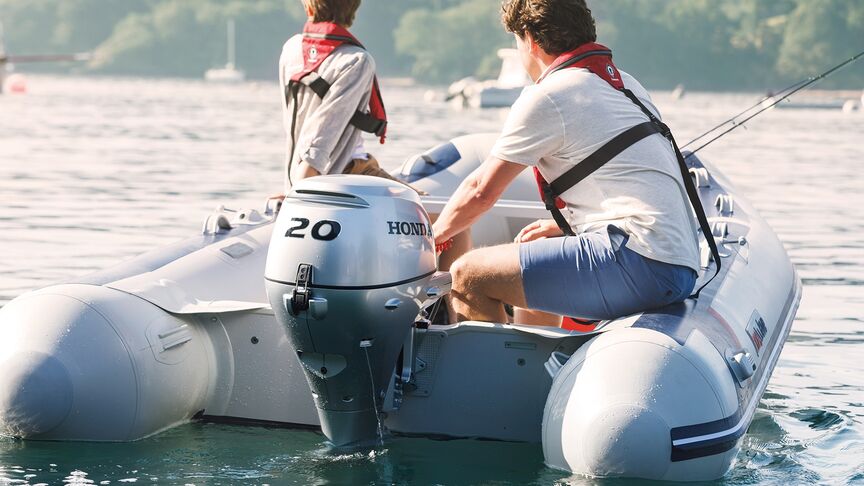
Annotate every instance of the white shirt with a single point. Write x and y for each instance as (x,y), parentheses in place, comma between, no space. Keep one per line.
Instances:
(324,137)
(568,116)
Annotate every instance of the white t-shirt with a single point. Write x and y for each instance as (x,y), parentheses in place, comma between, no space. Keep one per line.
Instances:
(568,116)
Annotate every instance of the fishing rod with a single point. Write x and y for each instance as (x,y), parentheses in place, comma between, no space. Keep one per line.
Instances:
(759,103)
(795,88)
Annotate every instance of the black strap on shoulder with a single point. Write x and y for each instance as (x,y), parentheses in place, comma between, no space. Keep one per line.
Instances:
(316,83)
(549,199)
(689,186)
(362,121)
(313,81)
(603,155)
(590,165)
(613,148)
(693,195)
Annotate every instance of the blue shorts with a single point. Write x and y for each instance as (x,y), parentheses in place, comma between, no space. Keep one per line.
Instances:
(589,276)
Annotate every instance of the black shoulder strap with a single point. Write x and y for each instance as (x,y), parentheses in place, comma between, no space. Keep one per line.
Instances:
(316,83)
(693,195)
(689,186)
(362,121)
(603,155)
(590,165)
(613,148)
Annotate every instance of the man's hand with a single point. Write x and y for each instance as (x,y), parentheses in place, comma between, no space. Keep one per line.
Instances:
(542,228)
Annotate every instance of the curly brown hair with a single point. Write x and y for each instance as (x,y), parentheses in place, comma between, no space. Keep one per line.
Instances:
(337,11)
(557,26)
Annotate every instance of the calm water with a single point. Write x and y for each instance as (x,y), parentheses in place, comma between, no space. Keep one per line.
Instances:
(96,171)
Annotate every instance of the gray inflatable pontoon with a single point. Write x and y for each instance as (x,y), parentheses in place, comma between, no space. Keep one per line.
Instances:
(188,331)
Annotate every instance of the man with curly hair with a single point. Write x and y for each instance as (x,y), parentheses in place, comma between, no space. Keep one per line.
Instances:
(623,238)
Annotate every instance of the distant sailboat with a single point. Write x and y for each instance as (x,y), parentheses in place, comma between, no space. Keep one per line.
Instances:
(228,74)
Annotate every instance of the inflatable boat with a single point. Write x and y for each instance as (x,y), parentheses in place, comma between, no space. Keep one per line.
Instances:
(338,335)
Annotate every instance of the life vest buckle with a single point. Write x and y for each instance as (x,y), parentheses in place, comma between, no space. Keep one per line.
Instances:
(664,128)
(549,198)
(382,129)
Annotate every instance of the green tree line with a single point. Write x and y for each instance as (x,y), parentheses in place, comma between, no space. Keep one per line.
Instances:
(705,44)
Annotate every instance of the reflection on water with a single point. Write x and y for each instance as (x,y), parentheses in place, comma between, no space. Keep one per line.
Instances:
(98,170)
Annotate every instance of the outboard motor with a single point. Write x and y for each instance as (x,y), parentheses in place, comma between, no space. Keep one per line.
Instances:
(349,268)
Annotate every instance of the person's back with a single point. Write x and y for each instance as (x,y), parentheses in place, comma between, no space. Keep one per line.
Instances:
(323,137)
(570,115)
(330,95)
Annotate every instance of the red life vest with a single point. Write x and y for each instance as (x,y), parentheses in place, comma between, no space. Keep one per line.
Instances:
(320,39)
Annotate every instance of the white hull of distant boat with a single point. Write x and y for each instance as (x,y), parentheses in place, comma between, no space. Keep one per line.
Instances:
(228,74)
(187,332)
(495,93)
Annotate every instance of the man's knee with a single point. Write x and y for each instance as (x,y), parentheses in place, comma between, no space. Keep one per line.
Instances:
(491,271)
(461,270)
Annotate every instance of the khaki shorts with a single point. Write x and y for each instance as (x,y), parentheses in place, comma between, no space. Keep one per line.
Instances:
(371,167)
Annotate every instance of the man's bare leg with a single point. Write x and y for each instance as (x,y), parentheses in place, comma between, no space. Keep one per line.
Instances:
(528,317)
(461,245)
(483,280)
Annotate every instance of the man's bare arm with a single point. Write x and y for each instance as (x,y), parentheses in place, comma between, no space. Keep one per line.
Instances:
(474,196)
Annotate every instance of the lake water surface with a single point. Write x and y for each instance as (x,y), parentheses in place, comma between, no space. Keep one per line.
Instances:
(94,171)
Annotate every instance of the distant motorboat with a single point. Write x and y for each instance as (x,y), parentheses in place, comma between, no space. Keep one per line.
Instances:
(853,106)
(229,73)
(493,93)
